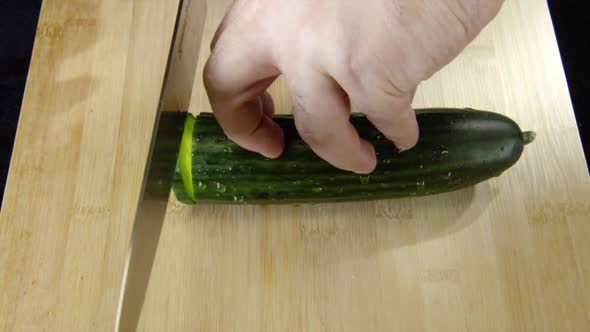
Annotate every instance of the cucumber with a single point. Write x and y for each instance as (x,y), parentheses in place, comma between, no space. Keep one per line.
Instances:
(458,148)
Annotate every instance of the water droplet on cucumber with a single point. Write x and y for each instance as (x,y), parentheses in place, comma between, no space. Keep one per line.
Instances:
(365,179)
(220,187)
(421,185)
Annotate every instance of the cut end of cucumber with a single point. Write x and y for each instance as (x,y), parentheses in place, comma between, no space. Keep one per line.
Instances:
(529,137)
(186,157)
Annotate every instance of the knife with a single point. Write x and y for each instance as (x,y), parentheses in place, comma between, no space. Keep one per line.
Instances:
(172,109)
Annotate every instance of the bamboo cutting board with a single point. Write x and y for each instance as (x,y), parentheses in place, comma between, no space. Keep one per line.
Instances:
(508,255)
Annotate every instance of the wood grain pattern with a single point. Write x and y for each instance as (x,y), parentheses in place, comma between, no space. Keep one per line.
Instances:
(74,181)
(508,255)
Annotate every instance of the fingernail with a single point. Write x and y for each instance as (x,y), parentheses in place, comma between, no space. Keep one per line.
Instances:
(369,159)
(275,141)
(404,147)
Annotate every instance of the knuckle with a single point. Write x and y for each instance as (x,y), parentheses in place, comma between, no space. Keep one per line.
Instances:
(354,67)
(314,137)
(378,80)
(210,75)
(393,119)
(309,131)
(215,77)
(366,71)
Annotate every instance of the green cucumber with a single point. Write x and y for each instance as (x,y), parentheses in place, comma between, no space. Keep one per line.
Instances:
(185,158)
(458,148)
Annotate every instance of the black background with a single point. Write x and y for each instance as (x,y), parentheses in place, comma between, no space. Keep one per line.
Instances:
(18,21)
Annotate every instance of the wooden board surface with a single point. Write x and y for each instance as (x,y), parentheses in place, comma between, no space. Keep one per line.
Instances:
(508,255)
(75,176)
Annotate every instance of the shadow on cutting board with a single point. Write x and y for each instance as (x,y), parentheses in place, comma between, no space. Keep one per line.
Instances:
(423,219)
(339,230)
(283,247)
(64,48)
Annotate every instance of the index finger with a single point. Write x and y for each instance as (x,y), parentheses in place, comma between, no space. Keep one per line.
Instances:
(236,76)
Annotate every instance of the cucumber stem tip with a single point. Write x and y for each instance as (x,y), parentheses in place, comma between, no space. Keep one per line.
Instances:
(528,137)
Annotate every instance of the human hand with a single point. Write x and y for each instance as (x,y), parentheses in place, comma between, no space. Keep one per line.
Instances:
(372,54)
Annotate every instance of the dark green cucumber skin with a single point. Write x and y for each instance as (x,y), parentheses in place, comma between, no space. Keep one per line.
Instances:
(458,148)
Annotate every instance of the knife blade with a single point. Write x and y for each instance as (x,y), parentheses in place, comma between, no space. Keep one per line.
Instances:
(161,164)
